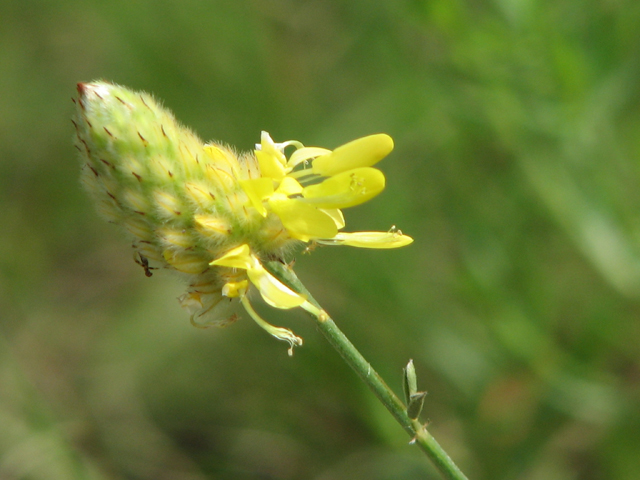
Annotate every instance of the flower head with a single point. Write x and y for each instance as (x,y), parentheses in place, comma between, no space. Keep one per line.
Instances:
(212,215)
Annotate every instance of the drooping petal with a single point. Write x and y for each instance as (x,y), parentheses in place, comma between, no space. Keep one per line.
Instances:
(346,189)
(391,239)
(301,220)
(274,292)
(280,333)
(363,152)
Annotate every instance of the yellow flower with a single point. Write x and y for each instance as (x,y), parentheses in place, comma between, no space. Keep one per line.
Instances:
(212,215)
(339,179)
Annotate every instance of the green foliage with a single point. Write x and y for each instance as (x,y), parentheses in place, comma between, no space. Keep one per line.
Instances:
(515,170)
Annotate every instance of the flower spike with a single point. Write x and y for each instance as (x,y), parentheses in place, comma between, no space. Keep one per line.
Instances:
(211,215)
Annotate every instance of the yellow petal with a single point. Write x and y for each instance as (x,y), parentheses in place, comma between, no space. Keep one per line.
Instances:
(268,146)
(391,239)
(363,152)
(239,257)
(302,221)
(289,186)
(271,160)
(269,165)
(336,215)
(346,189)
(274,292)
(257,190)
(235,289)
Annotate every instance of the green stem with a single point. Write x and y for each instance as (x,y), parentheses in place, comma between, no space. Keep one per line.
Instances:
(365,371)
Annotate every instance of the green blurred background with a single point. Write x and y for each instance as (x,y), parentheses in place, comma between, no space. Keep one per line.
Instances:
(516,170)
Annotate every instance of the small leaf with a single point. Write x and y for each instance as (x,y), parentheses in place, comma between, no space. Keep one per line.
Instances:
(416,402)
(410,382)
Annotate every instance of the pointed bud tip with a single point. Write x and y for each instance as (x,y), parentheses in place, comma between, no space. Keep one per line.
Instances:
(99,88)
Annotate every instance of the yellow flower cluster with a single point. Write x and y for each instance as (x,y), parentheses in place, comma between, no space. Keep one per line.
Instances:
(215,216)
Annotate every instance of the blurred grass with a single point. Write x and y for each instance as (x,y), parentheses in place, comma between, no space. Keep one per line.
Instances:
(516,170)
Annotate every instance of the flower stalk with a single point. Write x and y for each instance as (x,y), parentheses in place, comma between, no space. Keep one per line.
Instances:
(338,340)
